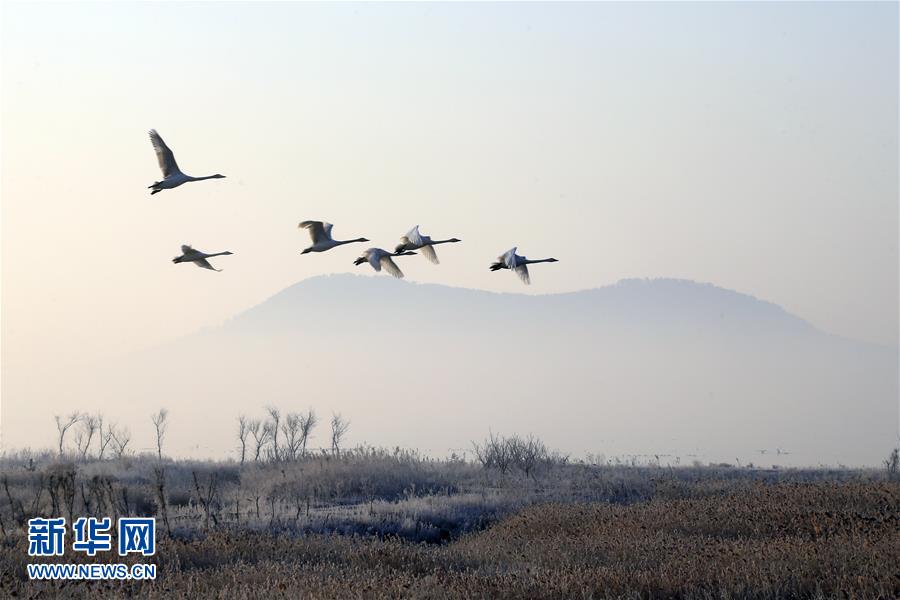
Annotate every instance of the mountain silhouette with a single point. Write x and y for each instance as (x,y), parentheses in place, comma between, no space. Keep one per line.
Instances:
(661,366)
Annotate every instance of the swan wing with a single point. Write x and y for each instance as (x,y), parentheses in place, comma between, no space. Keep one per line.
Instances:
(373,255)
(204,264)
(391,267)
(316,230)
(192,253)
(522,272)
(164,155)
(509,258)
(429,253)
(327,229)
(414,236)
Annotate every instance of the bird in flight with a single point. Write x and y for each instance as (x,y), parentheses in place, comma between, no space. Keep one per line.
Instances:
(172,175)
(379,259)
(197,257)
(519,264)
(321,237)
(413,240)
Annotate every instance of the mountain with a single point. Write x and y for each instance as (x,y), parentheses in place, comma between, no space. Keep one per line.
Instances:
(663,366)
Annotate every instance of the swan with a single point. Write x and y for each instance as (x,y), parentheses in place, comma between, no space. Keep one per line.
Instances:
(172,175)
(197,257)
(511,260)
(321,237)
(379,258)
(413,240)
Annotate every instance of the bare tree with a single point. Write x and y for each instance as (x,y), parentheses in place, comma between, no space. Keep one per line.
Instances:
(243,432)
(85,433)
(105,436)
(527,453)
(307,423)
(274,424)
(892,463)
(495,453)
(260,433)
(161,424)
(160,488)
(339,427)
(292,430)
(63,425)
(208,497)
(120,439)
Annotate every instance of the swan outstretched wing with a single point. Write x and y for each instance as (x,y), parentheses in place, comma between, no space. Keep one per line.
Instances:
(203,263)
(429,253)
(373,255)
(509,258)
(191,253)
(522,272)
(414,236)
(391,267)
(317,230)
(164,155)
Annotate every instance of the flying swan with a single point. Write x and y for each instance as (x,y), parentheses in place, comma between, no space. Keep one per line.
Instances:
(172,175)
(379,258)
(413,240)
(197,257)
(321,237)
(519,264)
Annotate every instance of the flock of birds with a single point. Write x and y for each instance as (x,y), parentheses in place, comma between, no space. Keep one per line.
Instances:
(320,232)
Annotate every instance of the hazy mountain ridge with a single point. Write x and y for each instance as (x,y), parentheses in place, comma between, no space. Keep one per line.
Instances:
(380,301)
(664,366)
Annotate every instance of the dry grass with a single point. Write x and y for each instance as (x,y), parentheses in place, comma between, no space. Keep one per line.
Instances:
(782,540)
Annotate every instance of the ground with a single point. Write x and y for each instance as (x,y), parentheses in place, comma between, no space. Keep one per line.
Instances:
(698,532)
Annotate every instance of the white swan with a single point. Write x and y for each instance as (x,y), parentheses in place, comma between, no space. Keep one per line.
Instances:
(172,175)
(511,260)
(413,240)
(197,257)
(321,237)
(379,258)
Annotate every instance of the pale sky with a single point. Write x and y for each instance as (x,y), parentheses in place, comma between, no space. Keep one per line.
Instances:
(753,145)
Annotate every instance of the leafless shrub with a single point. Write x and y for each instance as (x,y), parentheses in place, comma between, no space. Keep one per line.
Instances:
(63,425)
(62,488)
(339,428)
(293,440)
(85,434)
(160,423)
(120,439)
(494,453)
(243,433)
(261,433)
(159,474)
(208,498)
(307,424)
(527,453)
(892,464)
(105,437)
(16,507)
(274,424)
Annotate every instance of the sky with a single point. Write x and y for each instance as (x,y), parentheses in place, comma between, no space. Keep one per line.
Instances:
(751,145)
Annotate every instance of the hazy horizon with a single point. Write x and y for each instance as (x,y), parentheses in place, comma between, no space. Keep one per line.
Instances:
(753,146)
(659,367)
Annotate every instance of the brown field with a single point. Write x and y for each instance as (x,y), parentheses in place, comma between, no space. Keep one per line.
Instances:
(741,539)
